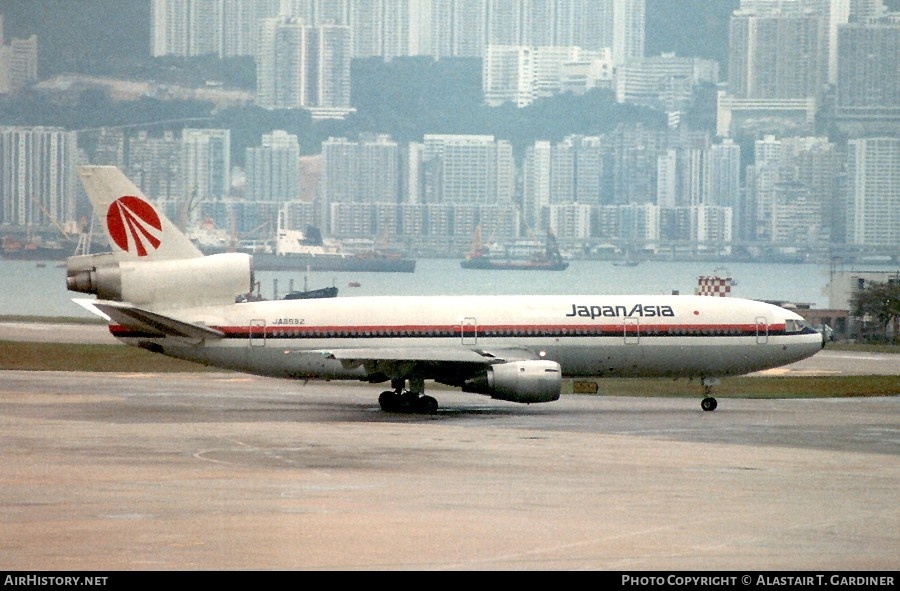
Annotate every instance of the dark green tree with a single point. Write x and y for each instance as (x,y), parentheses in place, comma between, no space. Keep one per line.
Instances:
(878,303)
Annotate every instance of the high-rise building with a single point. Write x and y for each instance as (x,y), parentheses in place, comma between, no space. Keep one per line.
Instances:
(362,171)
(4,61)
(205,166)
(563,165)
(862,10)
(303,66)
(18,64)
(340,169)
(154,165)
(873,191)
(4,69)
(536,175)
(796,218)
(241,25)
(775,56)
(724,174)
(832,14)
(868,85)
(683,177)
(273,168)
(811,165)
(382,27)
(508,75)
(633,151)
(761,183)
(283,70)
(457,28)
(187,27)
(316,12)
(548,67)
(110,148)
(467,169)
(37,176)
(570,221)
(399,29)
(777,67)
(508,22)
(664,82)
(634,225)
(589,24)
(334,50)
(563,183)
(628,30)
(224,28)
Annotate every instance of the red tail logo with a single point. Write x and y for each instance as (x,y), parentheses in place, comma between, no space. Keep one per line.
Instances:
(133,225)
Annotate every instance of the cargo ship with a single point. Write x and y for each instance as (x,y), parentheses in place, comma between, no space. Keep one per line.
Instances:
(301,251)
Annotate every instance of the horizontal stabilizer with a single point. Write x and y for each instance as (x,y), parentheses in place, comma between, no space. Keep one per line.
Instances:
(155,325)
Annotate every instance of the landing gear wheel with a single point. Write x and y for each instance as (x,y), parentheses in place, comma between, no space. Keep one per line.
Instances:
(709,403)
(427,405)
(407,402)
(389,400)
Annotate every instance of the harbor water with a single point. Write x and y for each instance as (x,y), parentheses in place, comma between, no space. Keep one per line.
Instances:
(39,289)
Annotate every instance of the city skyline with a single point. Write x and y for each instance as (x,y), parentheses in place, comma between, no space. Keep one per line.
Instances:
(681,186)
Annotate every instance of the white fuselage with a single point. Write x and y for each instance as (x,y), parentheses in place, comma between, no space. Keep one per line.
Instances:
(596,336)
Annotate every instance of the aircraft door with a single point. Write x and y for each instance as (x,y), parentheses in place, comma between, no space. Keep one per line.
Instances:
(468,330)
(632,331)
(257,333)
(762,330)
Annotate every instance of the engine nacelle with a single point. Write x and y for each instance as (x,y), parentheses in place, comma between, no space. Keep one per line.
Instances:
(519,381)
(214,279)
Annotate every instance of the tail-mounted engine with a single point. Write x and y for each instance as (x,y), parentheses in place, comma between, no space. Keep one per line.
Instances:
(214,279)
(519,381)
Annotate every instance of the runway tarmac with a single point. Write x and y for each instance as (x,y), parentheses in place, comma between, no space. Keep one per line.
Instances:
(231,472)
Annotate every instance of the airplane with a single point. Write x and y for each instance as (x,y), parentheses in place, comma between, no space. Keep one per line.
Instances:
(160,293)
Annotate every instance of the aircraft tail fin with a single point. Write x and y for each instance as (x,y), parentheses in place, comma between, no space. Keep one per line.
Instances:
(152,263)
(135,228)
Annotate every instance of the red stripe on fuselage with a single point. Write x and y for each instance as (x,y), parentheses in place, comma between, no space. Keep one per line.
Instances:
(481,330)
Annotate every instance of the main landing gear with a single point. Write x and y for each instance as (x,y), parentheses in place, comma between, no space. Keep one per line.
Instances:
(412,401)
(709,403)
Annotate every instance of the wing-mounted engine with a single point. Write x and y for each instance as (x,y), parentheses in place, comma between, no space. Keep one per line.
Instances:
(209,280)
(519,381)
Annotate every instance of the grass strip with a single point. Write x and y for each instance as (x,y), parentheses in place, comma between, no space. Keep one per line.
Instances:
(77,357)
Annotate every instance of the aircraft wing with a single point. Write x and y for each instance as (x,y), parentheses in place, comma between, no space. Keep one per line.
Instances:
(461,354)
(155,325)
(450,365)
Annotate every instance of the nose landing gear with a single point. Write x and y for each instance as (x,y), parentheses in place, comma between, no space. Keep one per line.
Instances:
(709,403)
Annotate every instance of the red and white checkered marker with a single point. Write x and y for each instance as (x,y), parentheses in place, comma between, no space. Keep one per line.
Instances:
(713,285)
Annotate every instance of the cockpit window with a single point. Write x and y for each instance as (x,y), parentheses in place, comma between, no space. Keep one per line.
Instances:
(793,325)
